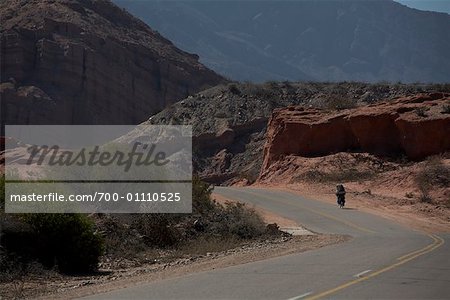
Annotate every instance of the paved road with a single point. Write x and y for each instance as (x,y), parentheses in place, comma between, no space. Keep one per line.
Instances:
(383,261)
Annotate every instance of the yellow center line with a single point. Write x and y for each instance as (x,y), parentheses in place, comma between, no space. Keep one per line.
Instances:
(437,242)
(348,223)
(417,251)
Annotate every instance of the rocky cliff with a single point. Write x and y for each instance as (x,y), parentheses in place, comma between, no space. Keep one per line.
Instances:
(230,121)
(88,62)
(415,126)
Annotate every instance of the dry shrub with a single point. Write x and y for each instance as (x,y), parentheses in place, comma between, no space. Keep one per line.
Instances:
(339,102)
(435,174)
(446,109)
(233,88)
(120,239)
(421,112)
(250,176)
(345,175)
(241,221)
(157,230)
(130,235)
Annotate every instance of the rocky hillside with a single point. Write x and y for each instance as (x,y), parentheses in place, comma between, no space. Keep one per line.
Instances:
(230,120)
(88,62)
(416,126)
(370,40)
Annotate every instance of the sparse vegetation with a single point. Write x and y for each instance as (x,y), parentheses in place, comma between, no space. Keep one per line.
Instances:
(345,175)
(421,112)
(250,176)
(74,243)
(409,195)
(222,224)
(234,220)
(434,174)
(424,196)
(237,220)
(446,109)
(233,88)
(339,102)
(2,193)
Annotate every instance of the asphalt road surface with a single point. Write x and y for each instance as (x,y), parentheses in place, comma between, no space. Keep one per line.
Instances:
(384,260)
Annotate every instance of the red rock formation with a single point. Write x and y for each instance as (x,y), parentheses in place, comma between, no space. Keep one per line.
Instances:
(416,126)
(88,62)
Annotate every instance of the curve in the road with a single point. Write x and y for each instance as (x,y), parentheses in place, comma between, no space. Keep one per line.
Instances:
(384,260)
(437,242)
(315,211)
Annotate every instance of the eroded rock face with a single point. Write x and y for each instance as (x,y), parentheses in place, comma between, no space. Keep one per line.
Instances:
(88,62)
(417,126)
(233,118)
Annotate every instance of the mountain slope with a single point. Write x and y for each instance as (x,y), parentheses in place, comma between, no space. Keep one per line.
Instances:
(230,121)
(307,40)
(88,62)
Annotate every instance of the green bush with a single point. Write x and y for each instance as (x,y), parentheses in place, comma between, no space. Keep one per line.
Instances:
(66,240)
(201,196)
